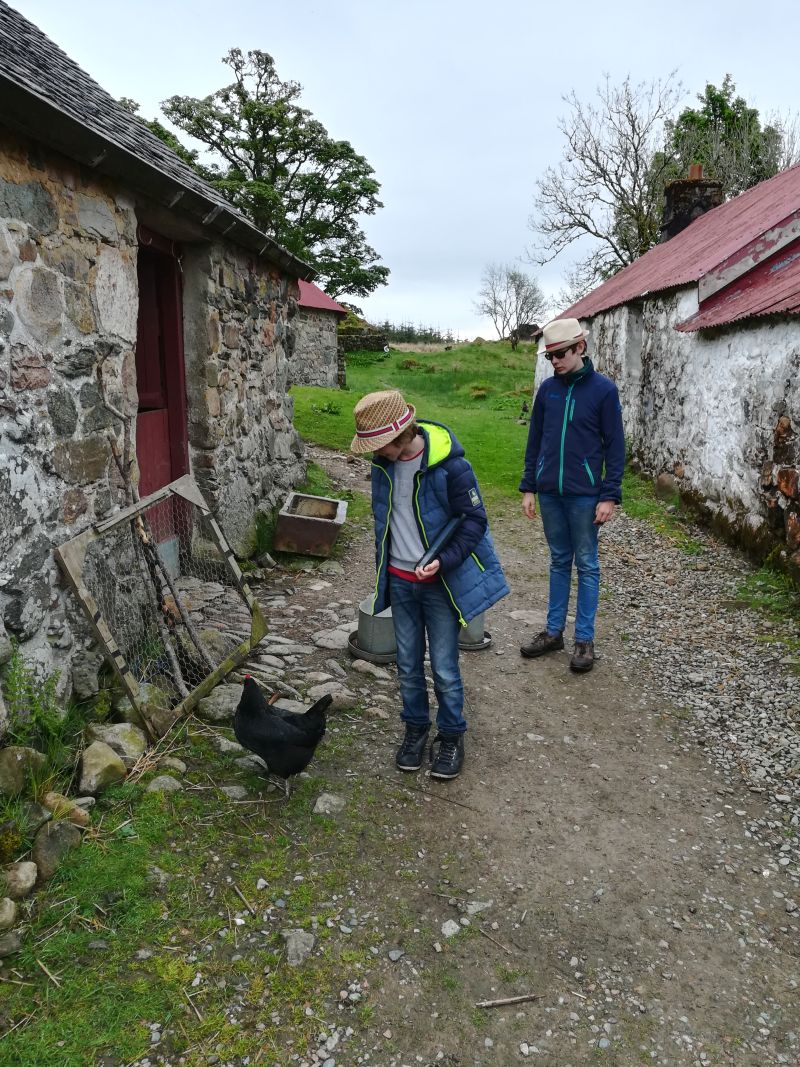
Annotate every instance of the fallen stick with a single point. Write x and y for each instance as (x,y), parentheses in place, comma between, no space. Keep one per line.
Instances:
(425,793)
(503,1001)
(503,947)
(244,899)
(192,1006)
(22,1022)
(51,976)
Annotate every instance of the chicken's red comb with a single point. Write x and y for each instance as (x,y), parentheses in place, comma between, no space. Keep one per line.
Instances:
(248,676)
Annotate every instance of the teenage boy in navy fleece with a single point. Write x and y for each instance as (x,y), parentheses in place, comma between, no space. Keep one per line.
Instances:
(574,463)
(420,481)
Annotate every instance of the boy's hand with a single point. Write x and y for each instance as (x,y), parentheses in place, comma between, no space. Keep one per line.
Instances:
(428,571)
(603,512)
(529,504)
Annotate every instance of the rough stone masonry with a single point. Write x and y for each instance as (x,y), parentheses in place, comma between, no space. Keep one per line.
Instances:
(68,326)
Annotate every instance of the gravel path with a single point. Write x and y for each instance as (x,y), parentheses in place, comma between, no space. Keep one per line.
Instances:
(726,667)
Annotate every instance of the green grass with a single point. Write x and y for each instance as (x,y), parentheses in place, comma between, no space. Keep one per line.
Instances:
(776,596)
(772,592)
(99,1002)
(476,390)
(639,501)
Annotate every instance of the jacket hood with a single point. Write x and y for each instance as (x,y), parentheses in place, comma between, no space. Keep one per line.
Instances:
(440,443)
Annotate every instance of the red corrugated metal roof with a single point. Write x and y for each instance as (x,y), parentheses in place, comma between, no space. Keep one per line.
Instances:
(311,296)
(770,288)
(705,244)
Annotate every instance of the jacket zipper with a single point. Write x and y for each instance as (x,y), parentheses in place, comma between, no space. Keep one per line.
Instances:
(383,540)
(427,545)
(563,437)
(588,470)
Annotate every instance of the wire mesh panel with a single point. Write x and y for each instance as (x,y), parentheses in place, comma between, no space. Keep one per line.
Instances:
(165,596)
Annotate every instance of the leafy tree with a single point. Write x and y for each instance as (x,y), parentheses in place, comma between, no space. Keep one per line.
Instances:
(727,137)
(281,168)
(510,299)
(188,155)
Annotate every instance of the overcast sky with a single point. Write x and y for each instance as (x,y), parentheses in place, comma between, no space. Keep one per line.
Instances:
(454,103)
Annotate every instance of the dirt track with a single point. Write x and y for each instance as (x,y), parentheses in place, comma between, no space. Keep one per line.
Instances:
(625,891)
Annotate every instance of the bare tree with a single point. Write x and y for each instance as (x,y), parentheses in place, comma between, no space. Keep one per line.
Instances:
(511,299)
(788,125)
(610,182)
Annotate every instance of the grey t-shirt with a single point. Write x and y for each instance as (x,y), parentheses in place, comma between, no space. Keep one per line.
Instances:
(406,544)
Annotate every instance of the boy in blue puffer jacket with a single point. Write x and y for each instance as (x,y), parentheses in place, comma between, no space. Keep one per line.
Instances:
(420,481)
(574,462)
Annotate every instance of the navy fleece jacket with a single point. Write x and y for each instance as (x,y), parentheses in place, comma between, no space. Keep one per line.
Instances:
(576,443)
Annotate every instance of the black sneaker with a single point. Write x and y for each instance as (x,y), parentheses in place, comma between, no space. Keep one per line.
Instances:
(542,644)
(583,657)
(409,755)
(450,757)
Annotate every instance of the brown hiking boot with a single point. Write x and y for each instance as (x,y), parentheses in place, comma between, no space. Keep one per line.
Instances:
(542,644)
(583,657)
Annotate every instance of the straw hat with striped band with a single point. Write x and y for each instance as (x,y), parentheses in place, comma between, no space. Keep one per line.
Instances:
(562,333)
(380,417)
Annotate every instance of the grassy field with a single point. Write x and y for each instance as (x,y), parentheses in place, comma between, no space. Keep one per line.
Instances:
(477,390)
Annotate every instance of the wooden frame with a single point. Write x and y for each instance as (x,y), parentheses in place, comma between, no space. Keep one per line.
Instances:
(72,558)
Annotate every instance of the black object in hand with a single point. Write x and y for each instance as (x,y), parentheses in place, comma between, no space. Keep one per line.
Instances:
(438,544)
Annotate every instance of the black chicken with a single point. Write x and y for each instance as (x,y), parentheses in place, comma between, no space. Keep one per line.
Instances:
(285,740)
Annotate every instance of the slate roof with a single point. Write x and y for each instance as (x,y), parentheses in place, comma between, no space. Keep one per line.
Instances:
(743,230)
(311,296)
(46,96)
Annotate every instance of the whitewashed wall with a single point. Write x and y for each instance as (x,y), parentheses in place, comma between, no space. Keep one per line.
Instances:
(706,407)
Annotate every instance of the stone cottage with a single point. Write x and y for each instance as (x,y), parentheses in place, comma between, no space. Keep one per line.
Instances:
(131,293)
(702,336)
(314,359)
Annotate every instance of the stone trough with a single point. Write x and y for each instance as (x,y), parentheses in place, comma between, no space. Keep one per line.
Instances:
(309,525)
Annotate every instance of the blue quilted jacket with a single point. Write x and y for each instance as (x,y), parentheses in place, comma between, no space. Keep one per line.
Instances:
(445,486)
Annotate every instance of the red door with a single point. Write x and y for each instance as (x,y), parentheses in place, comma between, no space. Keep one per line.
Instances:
(162,446)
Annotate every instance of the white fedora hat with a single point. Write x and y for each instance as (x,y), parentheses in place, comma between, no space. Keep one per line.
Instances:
(562,333)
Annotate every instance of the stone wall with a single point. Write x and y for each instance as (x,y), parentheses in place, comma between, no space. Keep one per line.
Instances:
(68,304)
(238,330)
(313,361)
(362,341)
(68,315)
(720,410)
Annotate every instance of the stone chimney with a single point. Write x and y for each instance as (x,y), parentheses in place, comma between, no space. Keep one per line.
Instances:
(686,200)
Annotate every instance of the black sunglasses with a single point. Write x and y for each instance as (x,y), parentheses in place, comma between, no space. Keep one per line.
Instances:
(558,355)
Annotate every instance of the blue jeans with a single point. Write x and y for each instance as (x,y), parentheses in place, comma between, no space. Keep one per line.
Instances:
(419,608)
(569,527)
